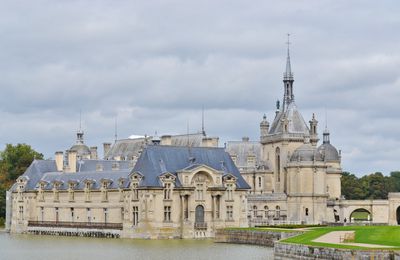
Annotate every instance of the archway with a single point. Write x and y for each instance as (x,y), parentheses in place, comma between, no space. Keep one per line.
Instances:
(360,215)
(398,215)
(199,217)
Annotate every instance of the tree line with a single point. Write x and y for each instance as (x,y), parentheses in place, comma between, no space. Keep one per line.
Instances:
(372,186)
(14,160)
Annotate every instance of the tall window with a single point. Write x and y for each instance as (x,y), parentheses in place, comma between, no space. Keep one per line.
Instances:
(278,164)
(259,182)
(229,191)
(266,211)
(41,193)
(135,216)
(167,191)
(87,191)
(306,211)
(167,213)
(135,193)
(72,214)
(277,212)
(255,211)
(57,215)
(122,214)
(41,213)
(56,193)
(199,191)
(229,212)
(105,212)
(21,213)
(71,194)
(88,215)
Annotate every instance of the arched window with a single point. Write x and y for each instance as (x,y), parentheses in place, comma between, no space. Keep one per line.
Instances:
(278,163)
(306,211)
(277,212)
(266,211)
(255,211)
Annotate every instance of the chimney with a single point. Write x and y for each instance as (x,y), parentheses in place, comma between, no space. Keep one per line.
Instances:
(93,153)
(72,161)
(106,149)
(209,142)
(166,140)
(245,139)
(59,157)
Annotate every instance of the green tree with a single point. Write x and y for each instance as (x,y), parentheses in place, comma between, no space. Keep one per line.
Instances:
(14,160)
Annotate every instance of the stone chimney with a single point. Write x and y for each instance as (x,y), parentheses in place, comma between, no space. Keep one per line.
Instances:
(245,139)
(209,142)
(59,157)
(93,153)
(72,161)
(106,148)
(166,140)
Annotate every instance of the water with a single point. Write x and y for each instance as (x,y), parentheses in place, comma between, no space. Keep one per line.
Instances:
(34,247)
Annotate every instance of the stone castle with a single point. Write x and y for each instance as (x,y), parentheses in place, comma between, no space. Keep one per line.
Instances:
(184,186)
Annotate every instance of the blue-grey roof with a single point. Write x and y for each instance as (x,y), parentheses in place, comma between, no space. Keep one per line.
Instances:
(296,121)
(46,170)
(158,159)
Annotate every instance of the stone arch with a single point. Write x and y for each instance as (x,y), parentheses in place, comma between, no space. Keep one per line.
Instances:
(398,215)
(360,214)
(202,176)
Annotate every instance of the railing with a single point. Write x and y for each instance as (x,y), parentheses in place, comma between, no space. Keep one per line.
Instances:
(66,224)
(200,225)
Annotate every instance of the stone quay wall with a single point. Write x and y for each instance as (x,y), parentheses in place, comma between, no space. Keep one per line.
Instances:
(251,237)
(285,251)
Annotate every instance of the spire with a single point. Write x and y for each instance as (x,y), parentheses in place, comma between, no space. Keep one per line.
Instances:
(203,131)
(288,80)
(116,130)
(288,73)
(326,138)
(79,133)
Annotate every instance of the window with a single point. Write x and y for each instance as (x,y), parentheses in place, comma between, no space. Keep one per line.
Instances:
(87,191)
(104,192)
(57,215)
(229,212)
(167,191)
(278,164)
(21,213)
(306,211)
(135,193)
(277,212)
(199,191)
(167,214)
(105,213)
(89,216)
(255,211)
(229,191)
(135,216)
(122,214)
(259,182)
(71,195)
(266,211)
(72,214)
(56,193)
(41,213)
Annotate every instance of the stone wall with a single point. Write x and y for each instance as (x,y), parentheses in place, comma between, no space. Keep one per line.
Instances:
(283,251)
(251,237)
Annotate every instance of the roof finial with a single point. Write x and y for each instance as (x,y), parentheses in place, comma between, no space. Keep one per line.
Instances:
(203,131)
(80,120)
(326,138)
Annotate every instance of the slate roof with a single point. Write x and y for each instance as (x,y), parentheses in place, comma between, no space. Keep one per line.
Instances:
(128,148)
(46,170)
(242,149)
(297,125)
(153,162)
(158,159)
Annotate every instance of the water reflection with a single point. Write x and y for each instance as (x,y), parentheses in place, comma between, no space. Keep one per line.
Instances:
(75,248)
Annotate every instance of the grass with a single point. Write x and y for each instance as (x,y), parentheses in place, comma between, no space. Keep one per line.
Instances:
(379,235)
(264,229)
(360,215)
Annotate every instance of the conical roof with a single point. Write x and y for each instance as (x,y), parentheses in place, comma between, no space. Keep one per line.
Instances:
(296,123)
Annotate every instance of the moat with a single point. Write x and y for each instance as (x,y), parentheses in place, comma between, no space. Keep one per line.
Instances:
(62,248)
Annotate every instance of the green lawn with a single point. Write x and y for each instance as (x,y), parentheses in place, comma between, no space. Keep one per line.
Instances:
(360,215)
(379,235)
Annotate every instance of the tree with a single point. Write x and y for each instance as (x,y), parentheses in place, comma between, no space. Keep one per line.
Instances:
(14,161)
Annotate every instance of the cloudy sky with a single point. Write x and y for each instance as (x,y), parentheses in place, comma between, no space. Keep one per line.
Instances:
(154,64)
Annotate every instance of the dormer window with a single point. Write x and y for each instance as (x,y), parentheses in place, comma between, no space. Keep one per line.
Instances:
(88,184)
(134,189)
(104,191)
(167,191)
